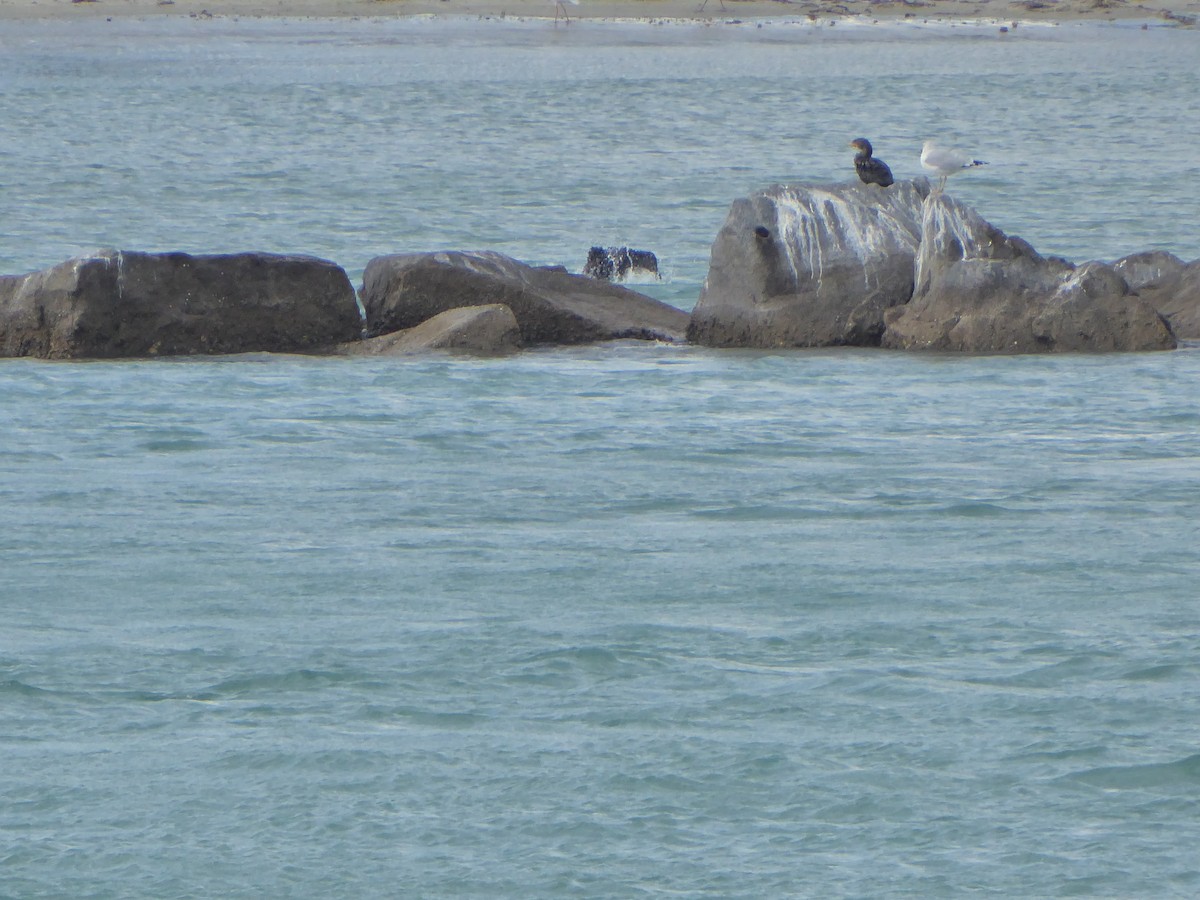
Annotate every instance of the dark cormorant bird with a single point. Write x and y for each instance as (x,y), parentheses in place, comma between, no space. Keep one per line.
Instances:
(870,169)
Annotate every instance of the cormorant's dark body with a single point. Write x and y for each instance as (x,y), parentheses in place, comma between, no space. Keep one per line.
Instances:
(870,170)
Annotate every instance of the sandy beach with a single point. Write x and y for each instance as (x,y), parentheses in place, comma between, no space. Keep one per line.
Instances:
(1181,13)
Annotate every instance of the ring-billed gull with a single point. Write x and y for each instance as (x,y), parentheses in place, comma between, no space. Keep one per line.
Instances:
(945,161)
(870,169)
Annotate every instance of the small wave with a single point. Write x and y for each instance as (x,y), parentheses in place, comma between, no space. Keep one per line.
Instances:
(20,689)
(178,445)
(1080,666)
(175,440)
(442,719)
(1038,753)
(560,666)
(669,783)
(1182,772)
(758,513)
(976,509)
(1154,673)
(300,680)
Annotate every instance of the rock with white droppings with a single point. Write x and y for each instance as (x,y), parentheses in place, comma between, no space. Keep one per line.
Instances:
(810,266)
(980,290)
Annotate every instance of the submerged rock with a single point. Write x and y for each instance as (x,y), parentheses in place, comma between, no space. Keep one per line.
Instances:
(127,304)
(810,266)
(617,263)
(1169,285)
(979,290)
(551,306)
(490,330)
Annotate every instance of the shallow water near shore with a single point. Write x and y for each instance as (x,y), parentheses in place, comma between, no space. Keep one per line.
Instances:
(619,620)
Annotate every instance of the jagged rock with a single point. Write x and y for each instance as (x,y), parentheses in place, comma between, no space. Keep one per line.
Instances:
(490,330)
(128,304)
(617,263)
(1169,285)
(551,306)
(979,290)
(810,265)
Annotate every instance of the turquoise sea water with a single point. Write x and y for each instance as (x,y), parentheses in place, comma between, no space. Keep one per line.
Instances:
(352,139)
(624,620)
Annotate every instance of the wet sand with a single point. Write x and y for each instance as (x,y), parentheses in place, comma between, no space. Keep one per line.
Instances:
(1180,13)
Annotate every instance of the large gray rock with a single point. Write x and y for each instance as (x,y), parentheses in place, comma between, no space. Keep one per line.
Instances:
(490,330)
(979,290)
(126,304)
(552,306)
(810,265)
(1169,285)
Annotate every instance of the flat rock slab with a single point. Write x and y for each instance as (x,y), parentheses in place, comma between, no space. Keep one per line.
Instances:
(127,304)
(551,305)
(810,266)
(490,330)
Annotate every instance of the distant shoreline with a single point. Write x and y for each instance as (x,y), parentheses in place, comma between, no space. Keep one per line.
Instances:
(1183,13)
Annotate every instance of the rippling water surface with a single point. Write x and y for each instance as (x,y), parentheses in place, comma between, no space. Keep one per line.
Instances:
(353,139)
(611,621)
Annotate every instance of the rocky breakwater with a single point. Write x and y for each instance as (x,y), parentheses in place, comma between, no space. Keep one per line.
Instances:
(977,289)
(551,305)
(902,267)
(124,304)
